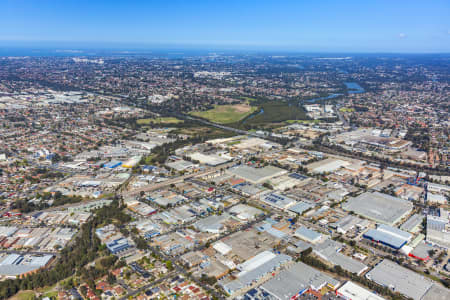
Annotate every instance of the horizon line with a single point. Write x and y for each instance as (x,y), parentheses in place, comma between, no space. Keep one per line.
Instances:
(136,46)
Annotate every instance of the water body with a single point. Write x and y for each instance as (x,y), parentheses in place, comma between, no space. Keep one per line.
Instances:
(254,115)
(331,96)
(354,88)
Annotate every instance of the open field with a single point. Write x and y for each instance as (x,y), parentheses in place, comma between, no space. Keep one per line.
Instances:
(346,109)
(24,295)
(30,295)
(162,120)
(225,114)
(249,99)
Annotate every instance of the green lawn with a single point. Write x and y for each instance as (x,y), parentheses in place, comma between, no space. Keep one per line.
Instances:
(225,114)
(24,295)
(249,99)
(53,294)
(162,120)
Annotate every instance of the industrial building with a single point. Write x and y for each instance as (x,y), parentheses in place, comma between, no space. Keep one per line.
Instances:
(438,229)
(256,175)
(329,250)
(166,198)
(118,245)
(222,248)
(400,279)
(379,207)
(278,201)
(255,262)
(308,235)
(6,231)
(300,207)
(413,223)
(112,164)
(297,279)
(327,165)
(148,228)
(437,292)
(245,212)
(132,162)
(140,208)
(255,269)
(17,265)
(389,236)
(348,222)
(212,224)
(351,291)
(209,160)
(421,251)
(181,165)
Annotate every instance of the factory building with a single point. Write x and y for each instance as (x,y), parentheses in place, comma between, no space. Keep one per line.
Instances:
(400,279)
(351,291)
(379,207)
(296,280)
(389,236)
(256,175)
(17,265)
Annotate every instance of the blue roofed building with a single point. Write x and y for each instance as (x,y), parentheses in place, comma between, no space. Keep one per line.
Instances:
(389,236)
(112,164)
(118,245)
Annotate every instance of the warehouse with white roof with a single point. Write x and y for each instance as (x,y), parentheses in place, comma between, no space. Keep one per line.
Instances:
(254,269)
(297,279)
(327,165)
(256,175)
(17,265)
(353,291)
(379,207)
(400,279)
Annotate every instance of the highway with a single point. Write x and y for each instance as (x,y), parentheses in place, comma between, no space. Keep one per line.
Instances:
(322,148)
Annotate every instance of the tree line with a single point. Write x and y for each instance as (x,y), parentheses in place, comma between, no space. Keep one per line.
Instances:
(73,257)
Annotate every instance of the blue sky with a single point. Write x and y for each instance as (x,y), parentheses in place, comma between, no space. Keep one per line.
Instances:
(298,25)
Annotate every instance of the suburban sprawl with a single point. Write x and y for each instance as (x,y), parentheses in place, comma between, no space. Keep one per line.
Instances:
(225,176)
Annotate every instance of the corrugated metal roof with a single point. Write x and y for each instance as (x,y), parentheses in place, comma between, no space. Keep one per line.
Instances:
(296,278)
(407,282)
(307,234)
(386,238)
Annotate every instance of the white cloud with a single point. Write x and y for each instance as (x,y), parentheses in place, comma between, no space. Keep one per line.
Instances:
(402,35)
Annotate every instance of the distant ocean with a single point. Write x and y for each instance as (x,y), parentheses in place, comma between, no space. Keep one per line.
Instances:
(168,53)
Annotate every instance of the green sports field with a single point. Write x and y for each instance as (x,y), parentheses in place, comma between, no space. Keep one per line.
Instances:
(225,114)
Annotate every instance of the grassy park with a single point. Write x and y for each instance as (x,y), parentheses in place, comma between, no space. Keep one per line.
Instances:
(225,114)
